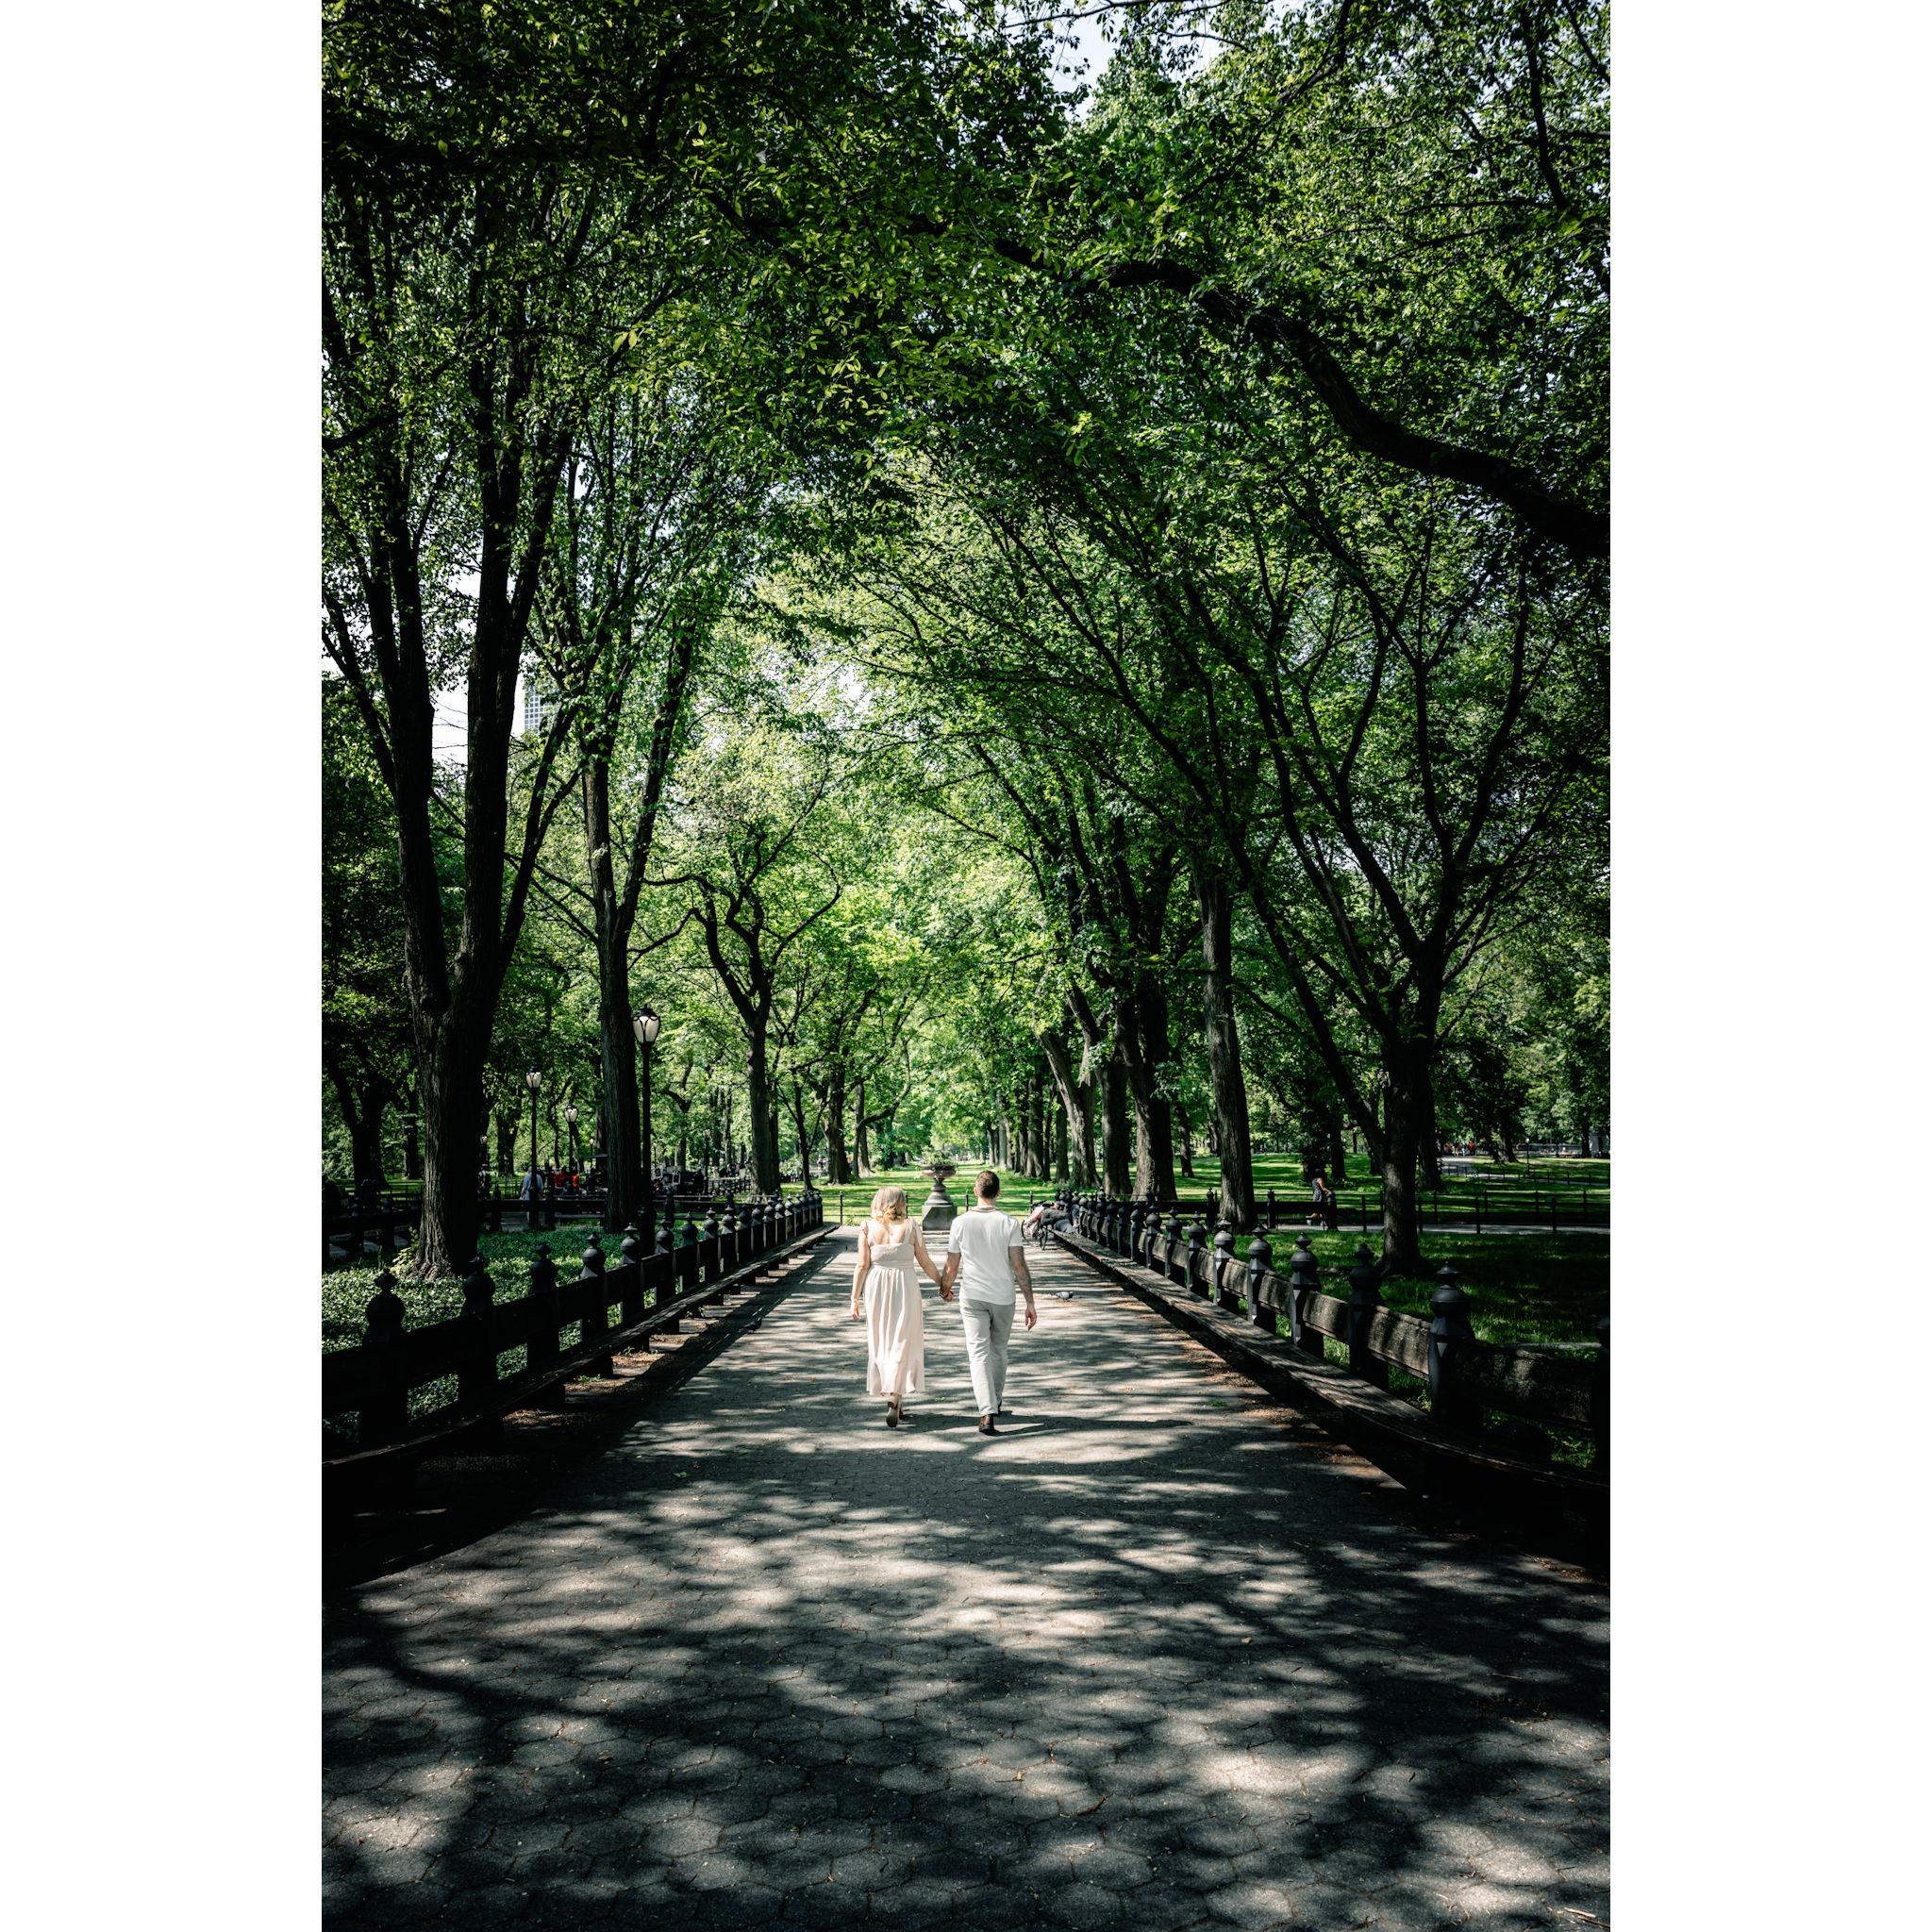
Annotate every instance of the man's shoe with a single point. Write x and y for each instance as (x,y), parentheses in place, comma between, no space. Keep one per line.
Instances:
(986,1428)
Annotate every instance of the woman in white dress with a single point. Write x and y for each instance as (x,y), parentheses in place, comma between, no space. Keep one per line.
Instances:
(885,1296)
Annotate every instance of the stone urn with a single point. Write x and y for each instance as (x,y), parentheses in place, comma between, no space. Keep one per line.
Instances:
(936,1217)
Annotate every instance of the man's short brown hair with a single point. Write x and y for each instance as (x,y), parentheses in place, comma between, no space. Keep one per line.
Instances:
(988,1185)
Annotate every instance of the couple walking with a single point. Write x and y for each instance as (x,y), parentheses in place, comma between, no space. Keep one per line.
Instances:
(983,1254)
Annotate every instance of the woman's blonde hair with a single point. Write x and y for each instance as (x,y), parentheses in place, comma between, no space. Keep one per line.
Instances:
(888,1205)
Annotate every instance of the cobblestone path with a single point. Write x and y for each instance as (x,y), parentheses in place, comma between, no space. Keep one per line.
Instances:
(1153,1658)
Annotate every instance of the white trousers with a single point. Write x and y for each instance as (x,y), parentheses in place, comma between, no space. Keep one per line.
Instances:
(988,1328)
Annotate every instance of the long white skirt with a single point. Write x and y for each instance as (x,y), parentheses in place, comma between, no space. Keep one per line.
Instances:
(894,1333)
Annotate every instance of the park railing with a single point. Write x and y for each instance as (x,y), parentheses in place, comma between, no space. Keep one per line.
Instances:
(1512,1394)
(381,1225)
(367,1389)
(1470,1203)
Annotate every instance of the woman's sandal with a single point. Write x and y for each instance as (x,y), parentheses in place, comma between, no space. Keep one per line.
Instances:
(893,1415)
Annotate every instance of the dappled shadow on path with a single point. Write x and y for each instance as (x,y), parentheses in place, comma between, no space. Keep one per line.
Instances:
(1149,1658)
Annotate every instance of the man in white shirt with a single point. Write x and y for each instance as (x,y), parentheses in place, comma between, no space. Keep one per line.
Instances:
(984,1253)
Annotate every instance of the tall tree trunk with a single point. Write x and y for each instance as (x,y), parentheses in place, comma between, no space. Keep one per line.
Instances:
(450,1079)
(1076,1106)
(1337,1155)
(1428,1145)
(862,1147)
(362,1105)
(366,1135)
(801,1132)
(1187,1133)
(1115,1158)
(617,1042)
(838,1168)
(1226,1077)
(1142,1023)
(1404,1117)
(764,1147)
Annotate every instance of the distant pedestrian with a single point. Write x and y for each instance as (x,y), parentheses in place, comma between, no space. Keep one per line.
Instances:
(1326,1213)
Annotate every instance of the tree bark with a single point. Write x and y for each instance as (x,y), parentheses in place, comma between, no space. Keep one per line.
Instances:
(1405,1114)
(1141,1021)
(764,1147)
(802,1131)
(1076,1105)
(1337,1155)
(616,1040)
(838,1168)
(362,1105)
(862,1147)
(1115,1158)
(1428,1148)
(1232,1131)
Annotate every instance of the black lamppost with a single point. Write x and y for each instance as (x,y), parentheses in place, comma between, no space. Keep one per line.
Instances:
(536,1079)
(570,1117)
(645,1024)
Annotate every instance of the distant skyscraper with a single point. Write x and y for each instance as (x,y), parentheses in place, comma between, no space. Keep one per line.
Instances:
(539,705)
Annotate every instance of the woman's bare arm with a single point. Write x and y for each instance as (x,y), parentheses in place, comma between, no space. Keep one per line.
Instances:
(925,1260)
(864,1267)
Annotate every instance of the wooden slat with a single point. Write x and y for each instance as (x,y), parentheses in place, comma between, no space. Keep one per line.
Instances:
(516,1322)
(1538,1383)
(1326,1316)
(344,1374)
(1402,1340)
(432,1351)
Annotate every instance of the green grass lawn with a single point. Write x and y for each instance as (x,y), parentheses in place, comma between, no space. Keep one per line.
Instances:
(347,1292)
(1522,1288)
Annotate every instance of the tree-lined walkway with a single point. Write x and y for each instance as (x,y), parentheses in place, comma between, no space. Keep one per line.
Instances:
(1156,1656)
